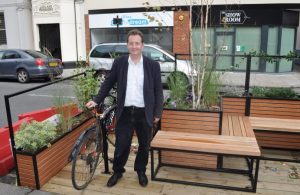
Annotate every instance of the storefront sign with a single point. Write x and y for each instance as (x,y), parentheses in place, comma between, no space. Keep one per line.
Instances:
(140,19)
(233,17)
(45,7)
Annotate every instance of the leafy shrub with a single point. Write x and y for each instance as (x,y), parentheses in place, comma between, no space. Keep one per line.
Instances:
(276,93)
(35,135)
(178,86)
(259,91)
(85,87)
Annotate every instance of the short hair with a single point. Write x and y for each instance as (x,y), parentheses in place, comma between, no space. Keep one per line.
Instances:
(135,32)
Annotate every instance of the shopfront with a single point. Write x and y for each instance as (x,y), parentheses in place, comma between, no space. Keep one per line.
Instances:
(157,27)
(257,29)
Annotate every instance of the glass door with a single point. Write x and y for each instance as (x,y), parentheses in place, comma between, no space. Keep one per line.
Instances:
(224,50)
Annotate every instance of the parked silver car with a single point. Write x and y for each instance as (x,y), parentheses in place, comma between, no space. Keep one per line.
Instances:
(28,64)
(102,55)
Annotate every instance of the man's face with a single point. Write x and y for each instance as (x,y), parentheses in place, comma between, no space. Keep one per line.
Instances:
(135,45)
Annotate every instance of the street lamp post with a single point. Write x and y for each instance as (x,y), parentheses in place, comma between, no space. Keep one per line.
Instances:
(117,21)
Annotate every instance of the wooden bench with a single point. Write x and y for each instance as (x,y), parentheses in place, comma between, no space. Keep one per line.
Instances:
(277,133)
(193,140)
(190,122)
(195,143)
(274,120)
(276,123)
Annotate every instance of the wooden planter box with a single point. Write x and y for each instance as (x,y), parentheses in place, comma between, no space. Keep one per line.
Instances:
(198,122)
(268,108)
(37,169)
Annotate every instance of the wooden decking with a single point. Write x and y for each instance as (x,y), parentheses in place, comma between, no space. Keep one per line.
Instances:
(273,179)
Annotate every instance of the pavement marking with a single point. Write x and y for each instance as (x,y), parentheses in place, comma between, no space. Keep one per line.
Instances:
(38,95)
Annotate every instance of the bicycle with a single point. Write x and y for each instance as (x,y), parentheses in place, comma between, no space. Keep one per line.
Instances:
(85,155)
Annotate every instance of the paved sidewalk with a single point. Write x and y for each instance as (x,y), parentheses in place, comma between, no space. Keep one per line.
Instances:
(6,189)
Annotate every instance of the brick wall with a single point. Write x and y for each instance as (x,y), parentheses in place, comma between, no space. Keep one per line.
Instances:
(181,36)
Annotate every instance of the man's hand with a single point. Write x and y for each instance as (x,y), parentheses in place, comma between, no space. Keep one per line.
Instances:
(91,104)
(155,120)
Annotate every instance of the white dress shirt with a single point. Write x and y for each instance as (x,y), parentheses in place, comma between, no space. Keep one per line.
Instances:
(135,84)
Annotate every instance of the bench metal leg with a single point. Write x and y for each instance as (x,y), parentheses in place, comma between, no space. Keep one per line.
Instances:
(253,179)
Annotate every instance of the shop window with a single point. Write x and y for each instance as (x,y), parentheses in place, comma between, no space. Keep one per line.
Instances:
(159,36)
(247,40)
(3,40)
(272,47)
(287,45)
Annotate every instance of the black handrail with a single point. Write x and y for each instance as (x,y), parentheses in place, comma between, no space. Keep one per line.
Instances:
(9,118)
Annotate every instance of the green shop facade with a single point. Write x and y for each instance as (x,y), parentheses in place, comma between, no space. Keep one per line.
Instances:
(238,29)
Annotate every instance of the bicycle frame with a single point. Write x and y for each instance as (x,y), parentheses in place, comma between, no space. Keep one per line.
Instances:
(100,127)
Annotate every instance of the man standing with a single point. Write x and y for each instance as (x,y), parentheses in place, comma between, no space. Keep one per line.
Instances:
(139,105)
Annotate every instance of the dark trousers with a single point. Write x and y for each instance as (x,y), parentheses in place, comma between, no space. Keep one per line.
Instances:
(132,118)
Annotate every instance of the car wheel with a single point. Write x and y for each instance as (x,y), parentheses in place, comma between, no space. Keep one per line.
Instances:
(23,76)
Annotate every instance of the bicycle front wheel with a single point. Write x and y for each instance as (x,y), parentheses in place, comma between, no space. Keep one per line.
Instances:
(86,160)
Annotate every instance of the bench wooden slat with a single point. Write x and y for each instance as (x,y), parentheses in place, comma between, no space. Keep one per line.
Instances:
(190,118)
(274,101)
(235,106)
(207,143)
(190,113)
(204,131)
(237,125)
(281,125)
(242,126)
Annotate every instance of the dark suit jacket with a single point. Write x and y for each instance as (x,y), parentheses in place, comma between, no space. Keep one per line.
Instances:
(153,93)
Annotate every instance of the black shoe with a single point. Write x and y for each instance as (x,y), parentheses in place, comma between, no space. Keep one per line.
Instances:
(113,180)
(143,180)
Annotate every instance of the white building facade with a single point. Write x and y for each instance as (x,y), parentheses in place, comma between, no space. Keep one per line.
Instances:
(16,24)
(51,26)
(58,27)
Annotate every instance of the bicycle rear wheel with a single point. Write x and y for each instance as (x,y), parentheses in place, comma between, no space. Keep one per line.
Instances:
(86,159)
(110,125)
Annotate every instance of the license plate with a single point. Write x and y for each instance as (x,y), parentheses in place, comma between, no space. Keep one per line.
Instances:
(53,64)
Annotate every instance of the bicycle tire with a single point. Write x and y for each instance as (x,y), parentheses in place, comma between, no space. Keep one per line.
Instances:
(86,162)
(110,125)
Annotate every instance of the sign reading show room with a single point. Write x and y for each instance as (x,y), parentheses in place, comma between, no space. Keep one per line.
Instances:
(232,17)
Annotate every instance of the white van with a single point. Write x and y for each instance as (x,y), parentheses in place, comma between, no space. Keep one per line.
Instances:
(102,55)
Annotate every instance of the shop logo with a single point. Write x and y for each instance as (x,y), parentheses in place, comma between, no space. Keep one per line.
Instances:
(135,22)
(233,17)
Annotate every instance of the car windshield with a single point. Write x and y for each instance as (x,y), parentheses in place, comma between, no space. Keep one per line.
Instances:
(169,52)
(36,54)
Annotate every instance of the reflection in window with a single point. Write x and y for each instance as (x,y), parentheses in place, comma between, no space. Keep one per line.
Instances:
(159,36)
(102,51)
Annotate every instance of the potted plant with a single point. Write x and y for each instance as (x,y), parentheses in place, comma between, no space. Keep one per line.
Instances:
(43,147)
(42,150)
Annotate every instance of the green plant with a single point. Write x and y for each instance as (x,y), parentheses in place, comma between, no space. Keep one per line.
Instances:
(85,86)
(258,91)
(275,92)
(178,87)
(35,135)
(64,112)
(211,89)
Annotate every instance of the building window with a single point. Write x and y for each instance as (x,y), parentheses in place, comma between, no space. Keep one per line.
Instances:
(287,45)
(272,47)
(247,40)
(2,30)
(159,36)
